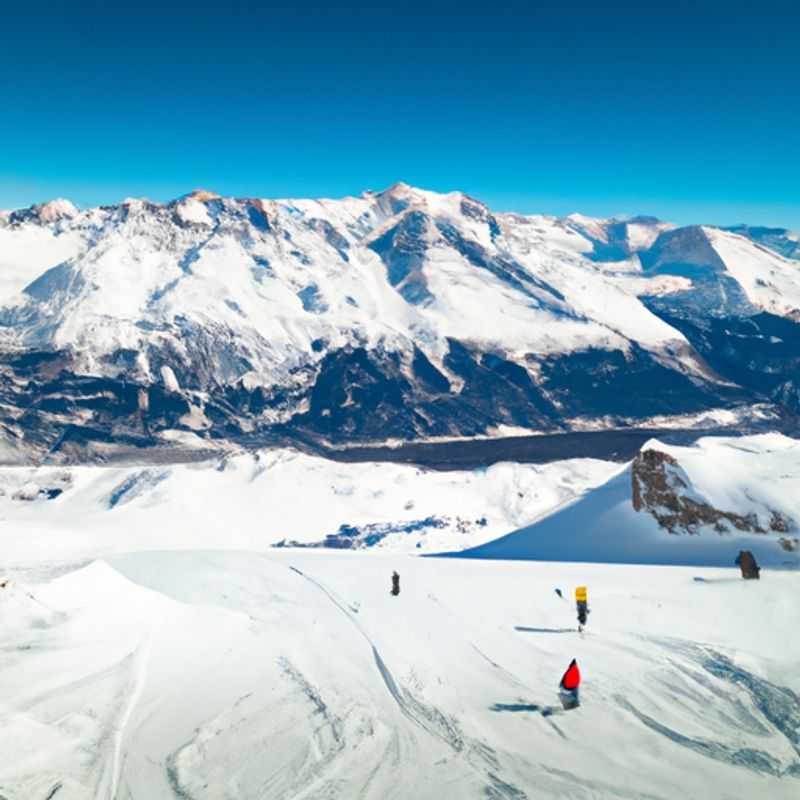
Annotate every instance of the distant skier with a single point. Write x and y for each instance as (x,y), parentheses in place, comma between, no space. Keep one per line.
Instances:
(395,584)
(581,603)
(568,688)
(558,592)
(746,562)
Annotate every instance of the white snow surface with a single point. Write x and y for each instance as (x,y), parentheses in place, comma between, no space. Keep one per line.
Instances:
(769,280)
(156,647)
(257,500)
(29,250)
(227,675)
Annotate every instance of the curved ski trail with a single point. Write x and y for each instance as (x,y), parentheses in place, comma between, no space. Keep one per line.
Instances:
(141,658)
(429,718)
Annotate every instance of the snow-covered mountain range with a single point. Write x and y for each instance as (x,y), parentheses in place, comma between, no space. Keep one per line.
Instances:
(395,314)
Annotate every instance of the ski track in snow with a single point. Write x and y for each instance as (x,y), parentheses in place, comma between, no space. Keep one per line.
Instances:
(268,720)
(478,755)
(778,705)
(328,738)
(141,659)
(426,717)
(595,788)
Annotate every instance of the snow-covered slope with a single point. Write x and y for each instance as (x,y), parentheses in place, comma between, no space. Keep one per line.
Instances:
(239,317)
(296,675)
(277,498)
(770,281)
(195,659)
(27,251)
(672,505)
(678,505)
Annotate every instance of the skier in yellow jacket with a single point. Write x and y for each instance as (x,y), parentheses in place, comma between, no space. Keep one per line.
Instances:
(581,602)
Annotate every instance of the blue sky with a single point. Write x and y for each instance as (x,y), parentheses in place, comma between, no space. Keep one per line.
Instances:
(689,111)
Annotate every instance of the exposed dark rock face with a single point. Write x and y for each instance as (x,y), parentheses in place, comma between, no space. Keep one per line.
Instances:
(759,353)
(402,249)
(662,488)
(789,545)
(350,395)
(602,382)
(416,399)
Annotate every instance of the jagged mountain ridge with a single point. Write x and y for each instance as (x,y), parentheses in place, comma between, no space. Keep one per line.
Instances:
(402,313)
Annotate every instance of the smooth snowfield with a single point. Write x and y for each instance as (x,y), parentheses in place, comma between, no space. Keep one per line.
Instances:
(259,499)
(296,675)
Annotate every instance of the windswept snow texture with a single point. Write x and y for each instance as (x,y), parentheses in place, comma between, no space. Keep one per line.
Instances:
(229,675)
(756,477)
(277,497)
(240,319)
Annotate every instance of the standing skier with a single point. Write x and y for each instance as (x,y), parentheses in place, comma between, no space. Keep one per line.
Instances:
(568,688)
(581,602)
(395,584)
(746,562)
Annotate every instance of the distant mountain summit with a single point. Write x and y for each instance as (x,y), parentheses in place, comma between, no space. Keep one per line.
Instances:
(401,314)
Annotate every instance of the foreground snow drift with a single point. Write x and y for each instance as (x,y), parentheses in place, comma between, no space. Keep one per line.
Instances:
(297,675)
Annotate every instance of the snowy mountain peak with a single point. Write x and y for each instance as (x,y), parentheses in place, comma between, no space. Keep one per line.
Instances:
(201,195)
(398,189)
(44,213)
(400,196)
(55,210)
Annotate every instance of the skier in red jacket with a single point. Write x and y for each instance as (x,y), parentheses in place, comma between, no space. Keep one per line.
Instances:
(568,688)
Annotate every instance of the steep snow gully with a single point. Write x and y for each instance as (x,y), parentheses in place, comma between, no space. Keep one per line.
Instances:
(219,674)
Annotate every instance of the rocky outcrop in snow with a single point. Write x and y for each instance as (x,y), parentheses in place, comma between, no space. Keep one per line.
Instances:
(662,488)
(678,505)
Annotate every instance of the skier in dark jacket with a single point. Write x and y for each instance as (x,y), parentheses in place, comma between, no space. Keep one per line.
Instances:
(746,562)
(395,584)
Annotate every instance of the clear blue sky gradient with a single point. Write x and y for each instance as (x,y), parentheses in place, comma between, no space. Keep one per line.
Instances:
(686,110)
